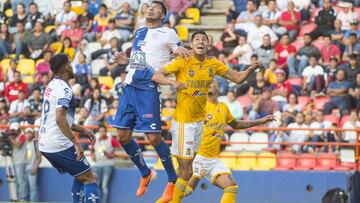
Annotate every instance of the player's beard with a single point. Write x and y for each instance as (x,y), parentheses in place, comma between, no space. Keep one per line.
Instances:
(71,74)
(153,20)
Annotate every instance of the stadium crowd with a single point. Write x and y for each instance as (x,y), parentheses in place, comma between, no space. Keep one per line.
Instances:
(308,50)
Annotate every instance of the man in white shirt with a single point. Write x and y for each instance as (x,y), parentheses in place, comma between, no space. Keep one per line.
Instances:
(245,21)
(17,108)
(313,76)
(271,16)
(235,107)
(256,34)
(242,52)
(353,123)
(318,135)
(63,20)
(109,34)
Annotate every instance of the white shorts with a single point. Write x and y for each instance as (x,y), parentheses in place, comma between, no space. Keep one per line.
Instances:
(186,138)
(210,168)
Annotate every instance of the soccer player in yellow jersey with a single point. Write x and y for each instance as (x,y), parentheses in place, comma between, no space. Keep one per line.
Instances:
(196,73)
(206,163)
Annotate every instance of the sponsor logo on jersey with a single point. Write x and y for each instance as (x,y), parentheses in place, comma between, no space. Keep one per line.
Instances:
(211,72)
(188,151)
(148,115)
(138,60)
(153,126)
(189,142)
(48,91)
(198,84)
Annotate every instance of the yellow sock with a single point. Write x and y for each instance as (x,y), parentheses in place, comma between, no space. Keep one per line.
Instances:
(229,195)
(188,191)
(179,190)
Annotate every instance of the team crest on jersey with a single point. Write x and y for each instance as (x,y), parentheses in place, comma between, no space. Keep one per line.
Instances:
(191,73)
(48,91)
(209,116)
(211,72)
(67,91)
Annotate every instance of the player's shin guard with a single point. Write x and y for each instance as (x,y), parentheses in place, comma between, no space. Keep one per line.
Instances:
(164,153)
(91,193)
(134,152)
(77,192)
(179,190)
(229,195)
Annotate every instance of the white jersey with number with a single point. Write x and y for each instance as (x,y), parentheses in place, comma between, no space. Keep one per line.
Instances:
(58,94)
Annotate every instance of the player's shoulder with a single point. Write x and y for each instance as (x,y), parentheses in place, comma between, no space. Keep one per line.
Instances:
(58,85)
(223,105)
(166,30)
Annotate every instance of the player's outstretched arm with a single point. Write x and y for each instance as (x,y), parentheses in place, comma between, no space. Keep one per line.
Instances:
(241,124)
(240,77)
(160,78)
(86,132)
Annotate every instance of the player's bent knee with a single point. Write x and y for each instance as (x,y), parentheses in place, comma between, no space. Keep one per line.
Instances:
(154,138)
(88,177)
(124,136)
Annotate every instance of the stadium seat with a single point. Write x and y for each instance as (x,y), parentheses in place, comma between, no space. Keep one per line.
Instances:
(303,101)
(26,66)
(307,29)
(192,16)
(265,161)
(96,65)
(182,32)
(344,119)
(49,28)
(238,137)
(319,102)
(298,44)
(345,166)
(245,161)
(5,64)
(11,56)
(295,81)
(285,161)
(106,80)
(325,162)
(305,162)
(93,46)
(244,100)
(77,9)
(332,119)
(28,79)
(228,158)
(9,12)
(258,137)
(56,47)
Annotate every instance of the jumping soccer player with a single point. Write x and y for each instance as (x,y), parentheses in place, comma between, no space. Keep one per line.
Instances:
(206,163)
(139,109)
(56,140)
(196,72)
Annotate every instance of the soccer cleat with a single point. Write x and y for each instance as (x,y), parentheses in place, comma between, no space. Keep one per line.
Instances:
(168,192)
(144,182)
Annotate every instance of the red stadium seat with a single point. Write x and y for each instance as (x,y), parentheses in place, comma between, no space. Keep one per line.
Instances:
(345,166)
(305,162)
(285,161)
(307,29)
(326,162)
(333,119)
(296,81)
(303,101)
(245,101)
(298,44)
(344,119)
(319,102)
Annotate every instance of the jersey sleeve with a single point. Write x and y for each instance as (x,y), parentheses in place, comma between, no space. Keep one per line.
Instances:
(229,117)
(221,68)
(174,66)
(63,97)
(173,40)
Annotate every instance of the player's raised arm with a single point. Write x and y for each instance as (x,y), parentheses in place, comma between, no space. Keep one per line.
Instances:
(241,124)
(240,77)
(160,78)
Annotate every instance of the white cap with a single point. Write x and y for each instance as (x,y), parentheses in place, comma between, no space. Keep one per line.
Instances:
(15,126)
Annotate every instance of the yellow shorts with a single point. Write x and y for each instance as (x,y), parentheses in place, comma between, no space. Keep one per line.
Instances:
(210,168)
(186,138)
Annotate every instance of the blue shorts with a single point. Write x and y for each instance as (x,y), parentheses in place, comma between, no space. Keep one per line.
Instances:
(65,161)
(138,110)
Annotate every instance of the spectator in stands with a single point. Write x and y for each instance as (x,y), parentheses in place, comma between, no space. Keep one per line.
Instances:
(94,6)
(43,66)
(346,15)
(246,20)
(45,8)
(290,20)
(266,51)
(337,35)
(101,20)
(125,21)
(353,123)
(83,72)
(329,50)
(19,40)
(337,91)
(264,106)
(35,103)
(313,76)
(318,135)
(19,160)
(97,109)
(38,41)
(354,93)
(352,67)
(67,48)
(86,20)
(114,68)
(32,164)
(281,89)
(298,64)
(45,79)
(176,10)
(296,135)
(109,34)
(231,13)
(19,16)
(103,154)
(256,34)
(242,53)
(14,88)
(18,107)
(9,74)
(270,75)
(5,41)
(83,49)
(271,16)
(229,38)
(63,20)
(324,20)
(256,90)
(330,70)
(352,47)
(353,29)
(74,33)
(141,19)
(212,50)
(283,51)
(4,112)
(290,109)
(234,105)
(33,17)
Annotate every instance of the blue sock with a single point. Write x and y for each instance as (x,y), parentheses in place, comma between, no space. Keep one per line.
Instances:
(164,153)
(91,193)
(134,152)
(77,191)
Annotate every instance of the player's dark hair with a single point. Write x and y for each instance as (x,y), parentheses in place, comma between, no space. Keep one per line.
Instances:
(58,61)
(254,56)
(162,5)
(353,56)
(103,6)
(199,32)
(336,195)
